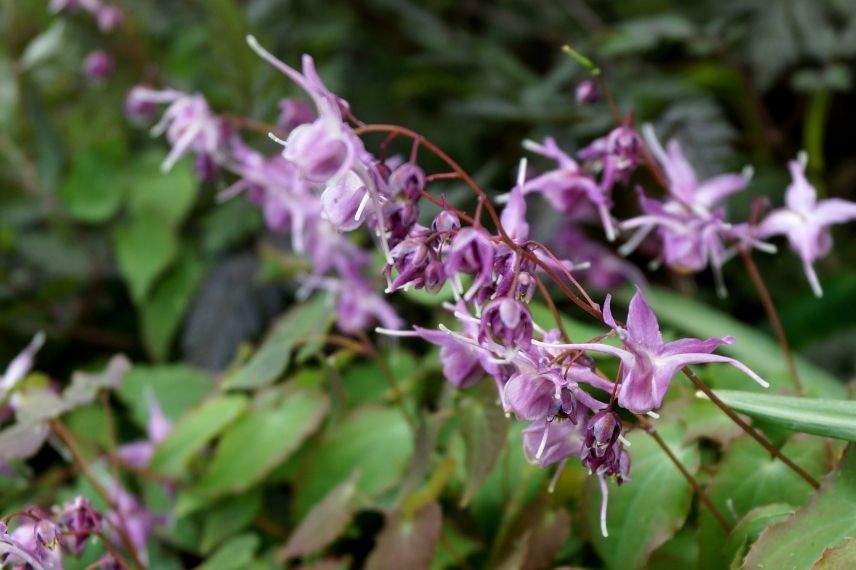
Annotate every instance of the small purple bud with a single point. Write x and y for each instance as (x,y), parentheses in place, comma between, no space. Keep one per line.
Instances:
(603,430)
(508,323)
(587,92)
(472,252)
(445,222)
(407,180)
(98,65)
(109,18)
(410,258)
(293,113)
(400,218)
(525,287)
(435,276)
(79,520)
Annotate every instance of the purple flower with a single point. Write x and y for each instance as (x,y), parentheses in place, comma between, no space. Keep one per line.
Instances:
(587,92)
(806,222)
(131,515)
(188,123)
(293,113)
(78,520)
(690,223)
(472,252)
(98,65)
(31,545)
(567,185)
(616,155)
(508,323)
(546,443)
(461,361)
(648,363)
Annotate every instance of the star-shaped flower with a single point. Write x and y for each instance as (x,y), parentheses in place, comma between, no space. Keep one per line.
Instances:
(805,221)
(648,363)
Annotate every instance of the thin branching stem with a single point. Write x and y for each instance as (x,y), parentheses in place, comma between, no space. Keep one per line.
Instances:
(70,442)
(773,316)
(696,486)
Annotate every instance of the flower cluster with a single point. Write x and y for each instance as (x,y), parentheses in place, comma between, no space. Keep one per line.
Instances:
(325,183)
(41,538)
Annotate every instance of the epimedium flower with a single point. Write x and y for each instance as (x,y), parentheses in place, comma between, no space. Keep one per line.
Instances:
(648,363)
(472,252)
(691,222)
(568,185)
(806,221)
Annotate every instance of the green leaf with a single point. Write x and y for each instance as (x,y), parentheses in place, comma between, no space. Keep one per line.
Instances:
(746,532)
(374,442)
(234,554)
(253,446)
(175,387)
(193,431)
(93,190)
(839,558)
(165,307)
(827,418)
(484,428)
(747,478)
(324,523)
(827,521)
(657,494)
(168,196)
(228,517)
(310,319)
(751,347)
(144,247)
(407,542)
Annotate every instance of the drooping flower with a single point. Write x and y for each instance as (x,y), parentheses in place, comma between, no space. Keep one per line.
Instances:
(19,548)
(568,186)
(109,18)
(691,222)
(806,221)
(139,453)
(79,521)
(648,363)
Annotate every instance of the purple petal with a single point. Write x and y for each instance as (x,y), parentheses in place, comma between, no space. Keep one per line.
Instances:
(800,196)
(642,326)
(687,345)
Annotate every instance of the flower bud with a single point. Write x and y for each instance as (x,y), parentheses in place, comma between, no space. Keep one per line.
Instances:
(507,322)
(445,222)
(319,150)
(587,92)
(407,180)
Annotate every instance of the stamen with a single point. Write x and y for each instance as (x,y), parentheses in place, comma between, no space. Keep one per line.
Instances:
(276,139)
(543,441)
(653,414)
(555,479)
(361,207)
(604,493)
(396,332)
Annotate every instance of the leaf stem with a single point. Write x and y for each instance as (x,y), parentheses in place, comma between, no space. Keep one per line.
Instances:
(755,434)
